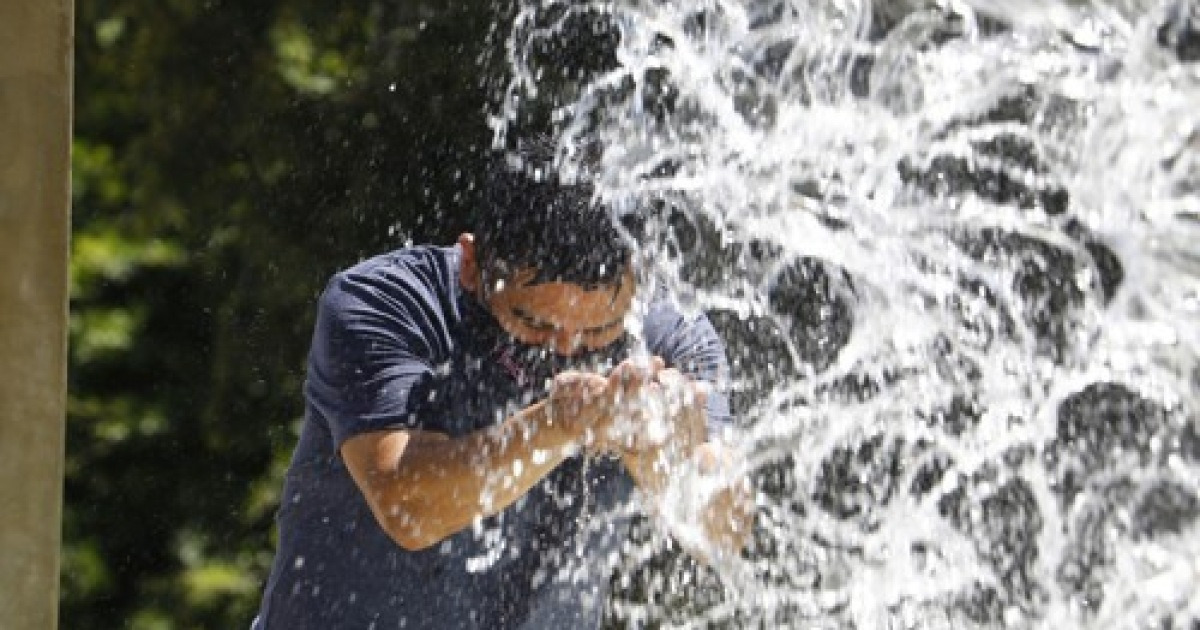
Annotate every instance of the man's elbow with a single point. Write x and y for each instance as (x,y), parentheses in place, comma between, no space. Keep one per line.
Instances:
(408,526)
(729,519)
(730,531)
(412,539)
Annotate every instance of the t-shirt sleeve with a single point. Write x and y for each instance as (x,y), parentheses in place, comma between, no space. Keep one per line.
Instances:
(369,359)
(691,345)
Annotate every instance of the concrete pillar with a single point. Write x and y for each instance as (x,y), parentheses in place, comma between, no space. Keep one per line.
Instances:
(35,140)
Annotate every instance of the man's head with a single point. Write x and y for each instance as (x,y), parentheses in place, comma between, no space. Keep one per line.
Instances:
(548,261)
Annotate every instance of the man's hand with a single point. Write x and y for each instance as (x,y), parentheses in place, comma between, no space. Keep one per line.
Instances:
(663,434)
(684,413)
(581,405)
(620,412)
(652,407)
(654,418)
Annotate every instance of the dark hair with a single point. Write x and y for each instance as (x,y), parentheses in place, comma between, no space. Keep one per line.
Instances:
(533,219)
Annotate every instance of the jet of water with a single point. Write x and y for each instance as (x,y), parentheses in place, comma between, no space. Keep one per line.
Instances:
(953,248)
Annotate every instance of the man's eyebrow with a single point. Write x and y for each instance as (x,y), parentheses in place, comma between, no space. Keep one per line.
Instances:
(606,326)
(541,324)
(531,320)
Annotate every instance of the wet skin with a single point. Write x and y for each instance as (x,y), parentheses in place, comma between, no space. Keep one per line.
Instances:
(423,486)
(561,315)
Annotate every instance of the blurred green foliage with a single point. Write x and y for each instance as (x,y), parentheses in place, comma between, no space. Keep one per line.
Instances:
(229,156)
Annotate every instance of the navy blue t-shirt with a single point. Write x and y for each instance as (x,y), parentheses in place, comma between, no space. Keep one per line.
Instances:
(398,344)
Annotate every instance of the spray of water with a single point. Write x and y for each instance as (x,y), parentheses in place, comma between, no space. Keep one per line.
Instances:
(955,252)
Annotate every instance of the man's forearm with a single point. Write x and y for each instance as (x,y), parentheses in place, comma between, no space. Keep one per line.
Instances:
(727,517)
(432,486)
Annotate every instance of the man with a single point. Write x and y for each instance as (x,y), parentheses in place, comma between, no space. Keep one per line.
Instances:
(473,420)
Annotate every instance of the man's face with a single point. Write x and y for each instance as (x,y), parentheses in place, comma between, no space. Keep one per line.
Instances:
(560,315)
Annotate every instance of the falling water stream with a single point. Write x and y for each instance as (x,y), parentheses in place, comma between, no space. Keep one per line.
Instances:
(954,250)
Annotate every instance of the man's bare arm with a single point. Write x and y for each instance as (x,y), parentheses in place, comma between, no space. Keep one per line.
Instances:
(423,486)
(728,516)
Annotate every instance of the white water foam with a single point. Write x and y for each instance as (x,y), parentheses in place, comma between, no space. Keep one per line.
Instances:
(955,250)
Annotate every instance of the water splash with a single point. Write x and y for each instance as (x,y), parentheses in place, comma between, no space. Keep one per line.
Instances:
(953,248)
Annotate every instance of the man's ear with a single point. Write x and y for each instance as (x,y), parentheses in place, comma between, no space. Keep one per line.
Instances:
(468,271)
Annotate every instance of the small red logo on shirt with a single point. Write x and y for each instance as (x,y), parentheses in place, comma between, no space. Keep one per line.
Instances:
(504,356)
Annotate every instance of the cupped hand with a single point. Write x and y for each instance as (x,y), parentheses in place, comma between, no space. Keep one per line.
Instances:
(580,404)
(685,410)
(640,407)
(654,407)
(604,413)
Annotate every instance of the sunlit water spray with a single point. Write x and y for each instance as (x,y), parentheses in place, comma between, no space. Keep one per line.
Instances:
(955,255)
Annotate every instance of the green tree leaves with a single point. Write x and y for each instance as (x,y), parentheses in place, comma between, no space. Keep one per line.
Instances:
(228,157)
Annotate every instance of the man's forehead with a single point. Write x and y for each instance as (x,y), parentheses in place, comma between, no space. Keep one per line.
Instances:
(532,277)
(556,299)
(535,276)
